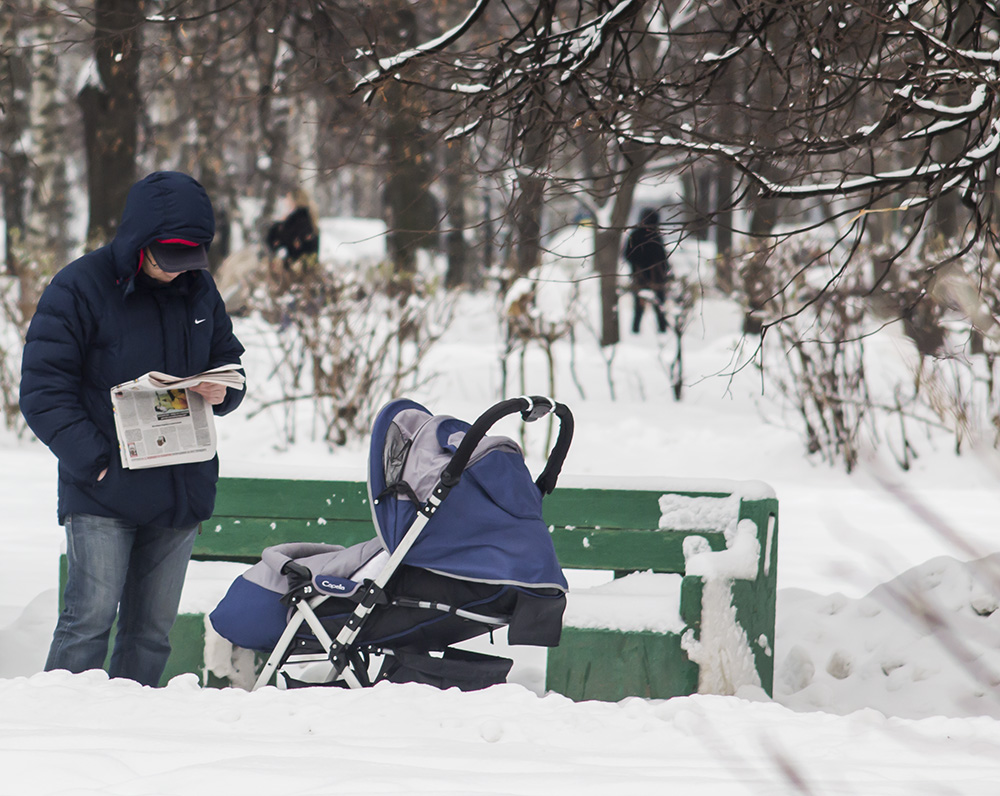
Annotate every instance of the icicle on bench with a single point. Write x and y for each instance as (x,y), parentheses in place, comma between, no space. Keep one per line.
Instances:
(691,608)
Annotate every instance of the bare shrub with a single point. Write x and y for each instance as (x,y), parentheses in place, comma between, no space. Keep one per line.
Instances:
(525,325)
(11,344)
(342,344)
(527,321)
(937,365)
(556,300)
(683,295)
(20,288)
(823,376)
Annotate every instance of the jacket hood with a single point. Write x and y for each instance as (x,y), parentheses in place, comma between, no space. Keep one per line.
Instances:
(165,204)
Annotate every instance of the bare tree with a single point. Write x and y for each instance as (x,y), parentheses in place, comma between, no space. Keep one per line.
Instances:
(35,149)
(848,108)
(110,103)
(15,93)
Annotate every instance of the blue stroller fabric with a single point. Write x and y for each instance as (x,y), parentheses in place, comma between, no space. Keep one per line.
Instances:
(252,615)
(489,530)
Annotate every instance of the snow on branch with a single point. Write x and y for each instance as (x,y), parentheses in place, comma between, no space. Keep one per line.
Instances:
(388,66)
(591,38)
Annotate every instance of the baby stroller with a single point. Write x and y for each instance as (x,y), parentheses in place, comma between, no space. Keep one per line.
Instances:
(461,550)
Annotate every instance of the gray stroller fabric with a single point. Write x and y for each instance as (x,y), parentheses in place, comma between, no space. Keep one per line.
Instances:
(426,458)
(254,614)
(331,560)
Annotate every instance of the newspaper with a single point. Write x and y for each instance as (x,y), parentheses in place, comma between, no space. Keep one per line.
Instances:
(160,421)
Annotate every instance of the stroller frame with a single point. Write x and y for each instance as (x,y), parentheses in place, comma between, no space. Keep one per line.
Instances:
(347,666)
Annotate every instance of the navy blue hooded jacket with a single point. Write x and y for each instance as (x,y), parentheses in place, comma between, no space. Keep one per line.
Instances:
(100,323)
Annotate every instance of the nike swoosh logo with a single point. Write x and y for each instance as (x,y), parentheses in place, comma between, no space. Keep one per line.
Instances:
(200,320)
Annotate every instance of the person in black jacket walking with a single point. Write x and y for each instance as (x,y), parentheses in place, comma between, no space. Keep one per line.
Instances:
(294,237)
(144,302)
(647,256)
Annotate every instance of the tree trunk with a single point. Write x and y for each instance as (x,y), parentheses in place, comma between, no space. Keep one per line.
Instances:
(698,185)
(617,185)
(529,202)
(48,238)
(948,215)
(410,206)
(725,178)
(15,88)
(203,153)
(764,211)
(608,240)
(723,216)
(455,186)
(110,109)
(272,108)
(527,209)
(606,245)
(536,139)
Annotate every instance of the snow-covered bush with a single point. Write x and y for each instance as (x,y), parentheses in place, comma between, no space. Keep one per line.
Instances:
(338,344)
(557,300)
(556,309)
(20,288)
(932,332)
(11,343)
(684,294)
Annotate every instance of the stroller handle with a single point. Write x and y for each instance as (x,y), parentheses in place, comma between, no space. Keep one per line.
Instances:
(531,408)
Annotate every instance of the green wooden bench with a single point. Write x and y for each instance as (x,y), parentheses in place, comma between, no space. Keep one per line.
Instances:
(592,529)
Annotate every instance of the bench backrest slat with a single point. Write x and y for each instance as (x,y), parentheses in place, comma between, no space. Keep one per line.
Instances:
(632,550)
(607,508)
(295,499)
(610,529)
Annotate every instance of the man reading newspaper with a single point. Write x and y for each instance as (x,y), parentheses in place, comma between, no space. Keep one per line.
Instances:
(145,302)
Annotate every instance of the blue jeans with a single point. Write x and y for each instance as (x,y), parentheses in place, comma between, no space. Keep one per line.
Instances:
(134,572)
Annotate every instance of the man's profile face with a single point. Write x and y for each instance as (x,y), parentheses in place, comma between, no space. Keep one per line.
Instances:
(152,270)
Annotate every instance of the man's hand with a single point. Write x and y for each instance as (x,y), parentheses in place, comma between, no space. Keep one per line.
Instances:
(211,392)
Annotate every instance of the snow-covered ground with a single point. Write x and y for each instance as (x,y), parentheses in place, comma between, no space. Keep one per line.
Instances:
(887,648)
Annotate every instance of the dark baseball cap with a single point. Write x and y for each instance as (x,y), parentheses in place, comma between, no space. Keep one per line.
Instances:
(174,255)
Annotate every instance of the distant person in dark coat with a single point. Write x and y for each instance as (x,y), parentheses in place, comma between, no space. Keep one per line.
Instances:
(144,302)
(295,238)
(647,256)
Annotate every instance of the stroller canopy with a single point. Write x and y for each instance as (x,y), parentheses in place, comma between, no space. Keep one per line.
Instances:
(490,527)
